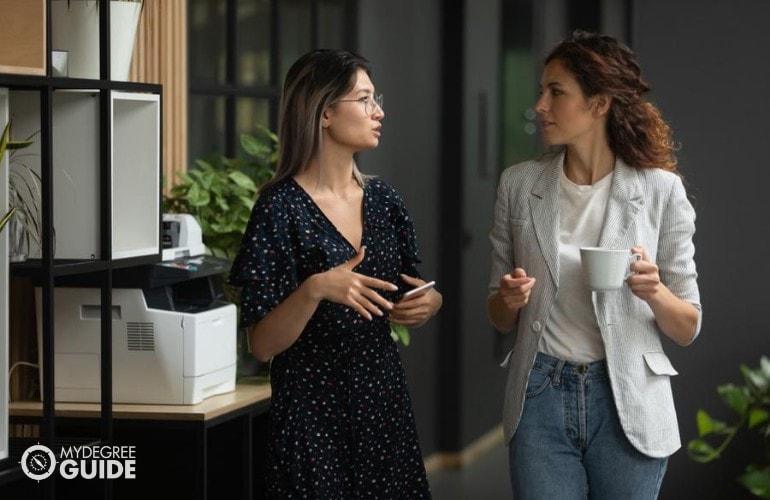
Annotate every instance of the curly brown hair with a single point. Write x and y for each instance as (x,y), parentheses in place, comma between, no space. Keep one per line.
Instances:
(636,129)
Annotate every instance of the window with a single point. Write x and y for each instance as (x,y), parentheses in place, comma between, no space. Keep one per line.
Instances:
(239,52)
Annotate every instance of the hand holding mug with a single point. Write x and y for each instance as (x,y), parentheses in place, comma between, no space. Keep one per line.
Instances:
(645,282)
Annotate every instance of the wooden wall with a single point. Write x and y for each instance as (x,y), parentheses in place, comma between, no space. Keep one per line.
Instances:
(160,56)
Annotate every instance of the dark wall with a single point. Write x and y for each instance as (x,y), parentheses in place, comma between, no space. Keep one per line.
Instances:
(707,62)
(401,39)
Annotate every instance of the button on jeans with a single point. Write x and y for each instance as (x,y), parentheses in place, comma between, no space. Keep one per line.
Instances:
(569,443)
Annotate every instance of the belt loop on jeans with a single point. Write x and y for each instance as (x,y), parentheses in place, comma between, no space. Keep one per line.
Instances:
(557,372)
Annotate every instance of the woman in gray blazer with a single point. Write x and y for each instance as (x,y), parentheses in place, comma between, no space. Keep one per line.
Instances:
(588,409)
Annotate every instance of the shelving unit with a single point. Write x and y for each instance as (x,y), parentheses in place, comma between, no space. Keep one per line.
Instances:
(98,156)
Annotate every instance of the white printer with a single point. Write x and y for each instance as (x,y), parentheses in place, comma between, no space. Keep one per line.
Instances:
(173,338)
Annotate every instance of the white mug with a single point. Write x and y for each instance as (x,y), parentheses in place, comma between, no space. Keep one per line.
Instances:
(606,269)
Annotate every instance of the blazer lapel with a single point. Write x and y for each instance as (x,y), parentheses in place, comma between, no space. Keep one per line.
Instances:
(624,203)
(544,209)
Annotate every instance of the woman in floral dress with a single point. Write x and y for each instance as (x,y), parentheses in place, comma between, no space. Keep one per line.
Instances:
(324,261)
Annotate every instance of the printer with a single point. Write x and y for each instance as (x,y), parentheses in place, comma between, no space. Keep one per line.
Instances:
(173,337)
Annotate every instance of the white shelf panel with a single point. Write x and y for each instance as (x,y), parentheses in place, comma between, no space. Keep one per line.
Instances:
(135,174)
(135,211)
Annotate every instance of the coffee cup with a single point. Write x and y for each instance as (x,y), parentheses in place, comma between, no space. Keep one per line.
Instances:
(606,269)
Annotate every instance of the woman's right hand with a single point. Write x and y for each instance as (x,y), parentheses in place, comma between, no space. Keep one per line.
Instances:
(515,288)
(344,286)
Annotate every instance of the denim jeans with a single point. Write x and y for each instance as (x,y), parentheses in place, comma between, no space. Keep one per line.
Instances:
(569,443)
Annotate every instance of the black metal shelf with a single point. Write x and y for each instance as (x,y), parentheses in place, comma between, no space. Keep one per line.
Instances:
(33,82)
(33,268)
(46,269)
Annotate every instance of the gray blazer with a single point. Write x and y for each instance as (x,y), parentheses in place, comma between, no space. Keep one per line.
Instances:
(646,207)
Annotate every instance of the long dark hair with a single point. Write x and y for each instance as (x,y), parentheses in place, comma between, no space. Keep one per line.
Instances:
(637,132)
(313,83)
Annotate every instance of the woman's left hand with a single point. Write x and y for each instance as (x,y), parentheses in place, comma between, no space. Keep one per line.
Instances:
(645,283)
(415,311)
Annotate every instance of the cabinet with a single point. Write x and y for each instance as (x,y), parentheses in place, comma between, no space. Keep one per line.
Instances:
(97,152)
(207,449)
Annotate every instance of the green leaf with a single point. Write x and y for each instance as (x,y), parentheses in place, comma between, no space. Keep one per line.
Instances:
(7,217)
(764,365)
(736,397)
(197,196)
(242,180)
(758,416)
(756,380)
(706,424)
(400,332)
(6,143)
(757,481)
(700,451)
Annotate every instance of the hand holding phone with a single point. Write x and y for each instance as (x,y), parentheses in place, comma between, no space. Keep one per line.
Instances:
(419,290)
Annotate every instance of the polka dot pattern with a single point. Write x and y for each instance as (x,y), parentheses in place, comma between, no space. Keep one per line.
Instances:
(341,421)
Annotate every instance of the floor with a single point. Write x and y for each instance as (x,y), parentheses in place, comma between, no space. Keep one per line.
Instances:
(486,478)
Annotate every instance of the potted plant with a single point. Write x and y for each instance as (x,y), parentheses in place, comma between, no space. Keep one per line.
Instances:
(751,402)
(220,193)
(23,190)
(75,30)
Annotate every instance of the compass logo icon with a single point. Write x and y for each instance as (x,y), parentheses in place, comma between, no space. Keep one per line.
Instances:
(38,462)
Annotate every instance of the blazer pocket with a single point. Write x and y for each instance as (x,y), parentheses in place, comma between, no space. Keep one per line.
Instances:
(658,362)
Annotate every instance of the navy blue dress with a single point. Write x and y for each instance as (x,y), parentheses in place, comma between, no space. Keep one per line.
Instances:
(341,421)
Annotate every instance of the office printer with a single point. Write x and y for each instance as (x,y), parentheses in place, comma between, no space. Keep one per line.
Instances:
(173,337)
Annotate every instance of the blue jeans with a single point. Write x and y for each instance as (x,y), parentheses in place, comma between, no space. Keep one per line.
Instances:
(569,443)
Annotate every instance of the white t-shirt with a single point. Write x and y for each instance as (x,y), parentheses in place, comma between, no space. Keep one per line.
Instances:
(572,332)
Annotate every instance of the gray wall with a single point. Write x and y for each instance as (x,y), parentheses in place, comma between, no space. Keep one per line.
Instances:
(708,64)
(482,381)
(452,365)
(401,39)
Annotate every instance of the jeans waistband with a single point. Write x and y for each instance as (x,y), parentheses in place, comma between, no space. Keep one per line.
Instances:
(595,369)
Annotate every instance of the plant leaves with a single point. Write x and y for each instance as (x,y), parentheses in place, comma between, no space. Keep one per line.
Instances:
(757,481)
(700,451)
(400,332)
(764,365)
(220,192)
(7,217)
(242,180)
(755,379)
(758,416)
(706,424)
(736,397)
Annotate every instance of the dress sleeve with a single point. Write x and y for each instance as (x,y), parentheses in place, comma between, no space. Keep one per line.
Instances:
(407,238)
(265,268)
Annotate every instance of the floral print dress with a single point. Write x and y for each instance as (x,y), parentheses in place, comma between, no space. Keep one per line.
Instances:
(341,421)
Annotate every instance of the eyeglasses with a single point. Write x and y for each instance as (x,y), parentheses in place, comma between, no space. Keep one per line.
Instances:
(370,102)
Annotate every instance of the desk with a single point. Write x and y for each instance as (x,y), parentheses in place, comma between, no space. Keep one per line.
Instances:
(199,451)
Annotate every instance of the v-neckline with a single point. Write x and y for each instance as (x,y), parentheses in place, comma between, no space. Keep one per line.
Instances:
(364,207)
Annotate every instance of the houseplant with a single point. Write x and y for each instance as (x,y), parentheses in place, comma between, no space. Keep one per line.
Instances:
(18,204)
(220,193)
(751,402)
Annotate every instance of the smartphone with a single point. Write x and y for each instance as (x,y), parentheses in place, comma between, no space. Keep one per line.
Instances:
(419,290)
